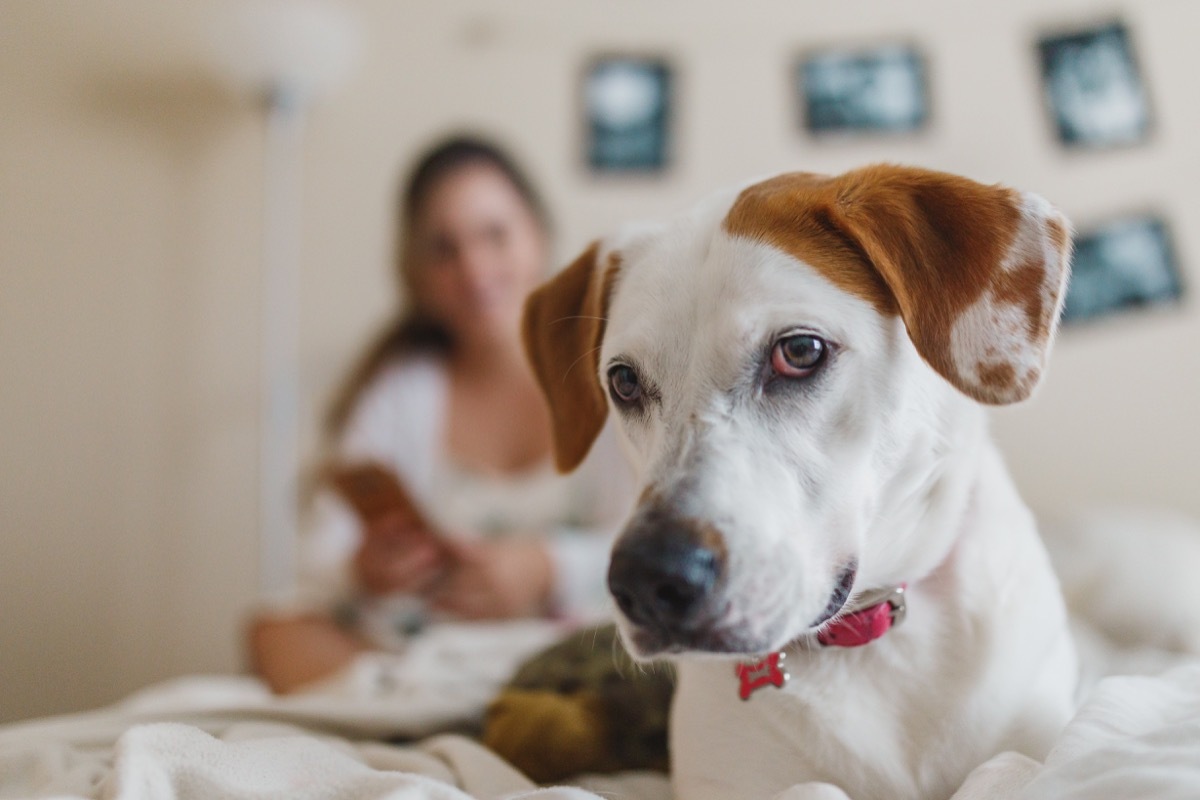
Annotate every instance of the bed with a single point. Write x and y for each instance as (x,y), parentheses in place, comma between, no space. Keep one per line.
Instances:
(379,730)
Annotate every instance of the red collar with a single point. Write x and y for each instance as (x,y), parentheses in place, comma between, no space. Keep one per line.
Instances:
(872,615)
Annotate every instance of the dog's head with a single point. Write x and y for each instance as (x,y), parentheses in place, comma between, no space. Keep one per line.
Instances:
(795,371)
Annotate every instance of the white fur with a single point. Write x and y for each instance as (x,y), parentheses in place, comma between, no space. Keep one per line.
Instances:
(878,460)
(994,333)
(974,344)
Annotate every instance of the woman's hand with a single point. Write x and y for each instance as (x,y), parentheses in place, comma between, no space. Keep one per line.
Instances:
(496,579)
(396,556)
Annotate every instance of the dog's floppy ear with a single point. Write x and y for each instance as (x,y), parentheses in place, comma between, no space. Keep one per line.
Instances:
(562,329)
(978,273)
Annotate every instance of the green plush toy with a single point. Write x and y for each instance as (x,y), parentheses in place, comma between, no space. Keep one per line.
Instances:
(582,706)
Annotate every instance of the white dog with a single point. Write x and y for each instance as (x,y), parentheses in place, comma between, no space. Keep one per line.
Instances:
(796,371)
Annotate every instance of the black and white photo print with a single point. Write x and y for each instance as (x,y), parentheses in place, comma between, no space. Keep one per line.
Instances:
(1126,263)
(877,90)
(1094,90)
(627,107)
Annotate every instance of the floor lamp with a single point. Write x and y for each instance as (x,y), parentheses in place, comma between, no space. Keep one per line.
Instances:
(287,54)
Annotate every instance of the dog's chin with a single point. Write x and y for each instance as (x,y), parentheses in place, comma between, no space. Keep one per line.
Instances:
(715,640)
(647,643)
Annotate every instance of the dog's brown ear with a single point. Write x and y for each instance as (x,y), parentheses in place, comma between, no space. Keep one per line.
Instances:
(978,273)
(563,327)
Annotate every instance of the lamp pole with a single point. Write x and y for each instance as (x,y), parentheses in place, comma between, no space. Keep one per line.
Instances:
(279,457)
(288,52)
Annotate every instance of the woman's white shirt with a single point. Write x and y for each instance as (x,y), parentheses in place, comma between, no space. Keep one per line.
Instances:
(400,421)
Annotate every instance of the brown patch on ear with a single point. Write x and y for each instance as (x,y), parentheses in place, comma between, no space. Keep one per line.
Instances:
(977,272)
(562,329)
(1060,237)
(791,212)
(997,376)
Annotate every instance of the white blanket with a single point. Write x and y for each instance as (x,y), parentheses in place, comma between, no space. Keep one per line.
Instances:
(229,737)
(165,760)
(1135,737)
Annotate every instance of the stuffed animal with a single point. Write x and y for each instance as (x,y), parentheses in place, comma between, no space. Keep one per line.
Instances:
(582,706)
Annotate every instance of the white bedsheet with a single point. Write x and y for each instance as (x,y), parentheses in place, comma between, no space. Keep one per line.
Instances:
(1137,737)
(227,737)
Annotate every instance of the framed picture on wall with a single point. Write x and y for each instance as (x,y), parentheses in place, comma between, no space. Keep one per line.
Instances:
(1123,264)
(876,90)
(1094,90)
(627,106)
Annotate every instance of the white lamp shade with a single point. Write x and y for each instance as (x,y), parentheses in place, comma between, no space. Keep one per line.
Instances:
(298,48)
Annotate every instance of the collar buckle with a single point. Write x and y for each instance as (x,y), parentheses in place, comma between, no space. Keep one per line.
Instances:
(892,595)
(873,614)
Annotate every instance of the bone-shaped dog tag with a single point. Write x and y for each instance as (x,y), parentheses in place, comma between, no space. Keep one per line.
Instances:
(768,672)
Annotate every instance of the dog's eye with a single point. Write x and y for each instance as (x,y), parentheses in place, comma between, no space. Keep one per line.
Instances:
(623,384)
(798,356)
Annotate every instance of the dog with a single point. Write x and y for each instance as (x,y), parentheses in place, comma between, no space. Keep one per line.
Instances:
(827,541)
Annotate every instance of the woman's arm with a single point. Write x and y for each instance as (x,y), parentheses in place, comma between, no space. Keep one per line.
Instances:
(291,652)
(497,579)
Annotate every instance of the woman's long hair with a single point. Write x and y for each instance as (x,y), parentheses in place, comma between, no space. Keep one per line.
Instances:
(414,330)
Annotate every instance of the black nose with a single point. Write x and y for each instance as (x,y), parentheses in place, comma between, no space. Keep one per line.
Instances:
(663,577)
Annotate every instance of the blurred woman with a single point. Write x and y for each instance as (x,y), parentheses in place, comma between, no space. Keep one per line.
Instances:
(445,399)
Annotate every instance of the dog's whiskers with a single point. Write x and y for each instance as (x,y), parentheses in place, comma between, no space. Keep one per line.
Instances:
(571,366)
(579,316)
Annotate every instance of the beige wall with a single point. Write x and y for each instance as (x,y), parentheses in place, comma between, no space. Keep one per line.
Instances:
(129,258)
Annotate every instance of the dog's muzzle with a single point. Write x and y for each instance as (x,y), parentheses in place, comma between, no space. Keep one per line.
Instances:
(664,574)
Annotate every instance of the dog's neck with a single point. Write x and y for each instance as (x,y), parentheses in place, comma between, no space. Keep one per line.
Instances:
(964,494)
(935,509)
(991,592)
(926,502)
